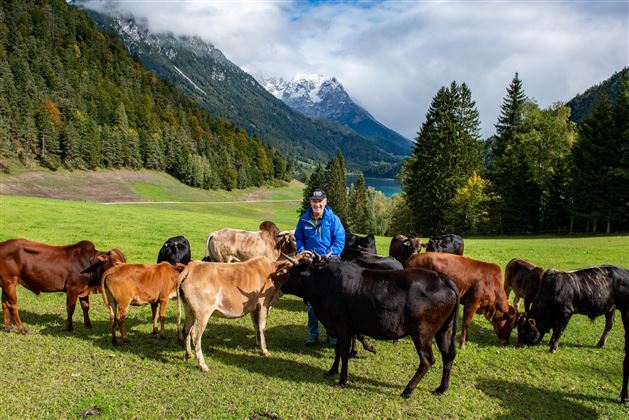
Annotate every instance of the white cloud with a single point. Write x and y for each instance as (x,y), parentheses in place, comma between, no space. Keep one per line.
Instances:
(393,56)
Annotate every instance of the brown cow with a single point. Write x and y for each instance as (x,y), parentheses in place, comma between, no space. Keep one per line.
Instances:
(480,286)
(523,278)
(74,269)
(232,290)
(137,285)
(233,245)
(402,247)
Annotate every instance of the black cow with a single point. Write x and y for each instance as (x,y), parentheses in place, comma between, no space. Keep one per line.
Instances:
(402,247)
(446,243)
(367,244)
(175,250)
(589,291)
(384,304)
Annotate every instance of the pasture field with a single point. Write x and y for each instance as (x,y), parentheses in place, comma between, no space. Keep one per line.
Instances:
(53,373)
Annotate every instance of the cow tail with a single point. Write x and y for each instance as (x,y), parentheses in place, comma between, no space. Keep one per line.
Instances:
(102,289)
(454,316)
(182,278)
(507,283)
(207,245)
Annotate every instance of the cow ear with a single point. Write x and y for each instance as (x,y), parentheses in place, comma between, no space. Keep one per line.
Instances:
(531,322)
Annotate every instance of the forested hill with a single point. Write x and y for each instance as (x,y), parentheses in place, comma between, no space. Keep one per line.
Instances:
(582,104)
(72,96)
(207,77)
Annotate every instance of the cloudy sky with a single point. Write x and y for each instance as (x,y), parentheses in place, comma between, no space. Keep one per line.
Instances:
(393,56)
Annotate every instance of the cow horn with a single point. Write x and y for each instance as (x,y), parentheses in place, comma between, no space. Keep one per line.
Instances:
(291,259)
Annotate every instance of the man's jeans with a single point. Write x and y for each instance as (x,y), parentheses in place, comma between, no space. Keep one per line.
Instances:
(313,324)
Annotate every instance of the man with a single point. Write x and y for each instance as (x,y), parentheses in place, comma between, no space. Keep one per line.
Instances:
(321,231)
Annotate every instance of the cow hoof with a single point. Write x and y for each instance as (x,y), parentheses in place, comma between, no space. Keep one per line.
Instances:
(439,390)
(353,355)
(331,372)
(600,344)
(265,353)
(188,356)
(153,334)
(407,393)
(340,386)
(88,325)
(624,401)
(162,337)
(552,351)
(204,368)
(23,331)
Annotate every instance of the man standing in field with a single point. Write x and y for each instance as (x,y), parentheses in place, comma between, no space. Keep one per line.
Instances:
(321,231)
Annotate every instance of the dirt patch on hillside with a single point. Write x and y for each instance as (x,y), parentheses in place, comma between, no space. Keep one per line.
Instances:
(77,185)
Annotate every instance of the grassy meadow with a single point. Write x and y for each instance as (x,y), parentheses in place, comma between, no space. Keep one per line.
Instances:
(54,373)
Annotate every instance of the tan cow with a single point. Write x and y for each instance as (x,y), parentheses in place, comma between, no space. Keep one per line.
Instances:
(233,245)
(230,290)
(138,285)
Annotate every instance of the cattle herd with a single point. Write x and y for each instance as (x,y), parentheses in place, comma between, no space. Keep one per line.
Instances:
(409,293)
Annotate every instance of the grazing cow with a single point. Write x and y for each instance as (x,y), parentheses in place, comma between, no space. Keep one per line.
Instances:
(384,304)
(137,285)
(402,247)
(175,250)
(523,278)
(480,286)
(231,290)
(232,245)
(589,291)
(446,243)
(73,269)
(367,244)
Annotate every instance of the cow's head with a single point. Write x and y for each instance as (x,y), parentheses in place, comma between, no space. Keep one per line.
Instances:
(528,332)
(175,250)
(102,262)
(269,227)
(402,247)
(503,323)
(285,242)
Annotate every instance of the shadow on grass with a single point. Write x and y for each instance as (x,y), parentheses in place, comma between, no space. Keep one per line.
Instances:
(292,304)
(526,401)
(295,371)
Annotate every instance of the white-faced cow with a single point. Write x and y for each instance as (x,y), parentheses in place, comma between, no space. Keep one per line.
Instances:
(233,245)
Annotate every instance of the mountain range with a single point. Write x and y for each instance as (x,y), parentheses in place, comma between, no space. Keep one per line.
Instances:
(207,77)
(319,96)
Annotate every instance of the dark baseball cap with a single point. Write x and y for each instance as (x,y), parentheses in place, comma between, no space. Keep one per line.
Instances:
(318,194)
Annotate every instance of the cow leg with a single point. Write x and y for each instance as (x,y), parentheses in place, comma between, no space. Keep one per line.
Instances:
(558,330)
(256,319)
(113,307)
(6,315)
(342,344)
(423,351)
(468,314)
(448,352)
(262,314)
(516,301)
(9,300)
(353,353)
(199,327)
(123,311)
(624,398)
(163,304)
(154,317)
(71,298)
(609,323)
(85,305)
(366,344)
(187,330)
(337,357)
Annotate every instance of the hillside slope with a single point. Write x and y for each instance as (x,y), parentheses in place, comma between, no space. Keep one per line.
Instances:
(582,104)
(208,78)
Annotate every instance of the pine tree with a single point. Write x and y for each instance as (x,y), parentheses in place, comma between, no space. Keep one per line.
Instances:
(447,152)
(359,217)
(335,187)
(508,170)
(316,180)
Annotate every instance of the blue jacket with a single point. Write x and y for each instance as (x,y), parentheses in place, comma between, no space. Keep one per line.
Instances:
(329,233)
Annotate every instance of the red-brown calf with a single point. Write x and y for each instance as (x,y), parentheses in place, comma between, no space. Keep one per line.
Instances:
(137,285)
(480,286)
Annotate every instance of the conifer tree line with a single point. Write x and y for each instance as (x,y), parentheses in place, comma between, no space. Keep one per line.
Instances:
(73,97)
(540,172)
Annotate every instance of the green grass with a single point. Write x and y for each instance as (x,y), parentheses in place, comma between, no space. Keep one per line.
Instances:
(54,373)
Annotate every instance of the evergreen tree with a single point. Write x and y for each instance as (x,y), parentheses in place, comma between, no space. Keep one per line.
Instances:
(316,180)
(360,214)
(335,187)
(508,170)
(446,153)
